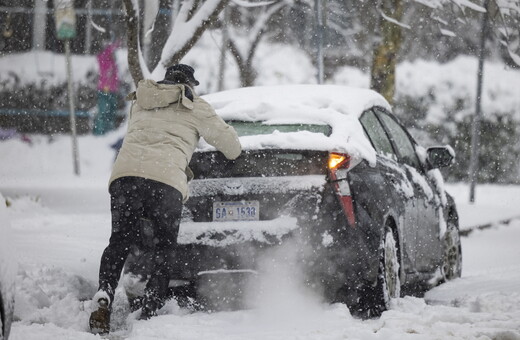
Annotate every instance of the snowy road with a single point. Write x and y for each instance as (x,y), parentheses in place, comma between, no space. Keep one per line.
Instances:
(61,225)
(59,250)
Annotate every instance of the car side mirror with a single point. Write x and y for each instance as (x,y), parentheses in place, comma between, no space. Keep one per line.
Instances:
(440,156)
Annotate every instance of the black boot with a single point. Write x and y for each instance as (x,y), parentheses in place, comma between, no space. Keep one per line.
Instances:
(99,321)
(152,302)
(155,296)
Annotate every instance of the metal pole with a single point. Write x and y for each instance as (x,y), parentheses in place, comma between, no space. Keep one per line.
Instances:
(39,24)
(223,48)
(475,134)
(88,29)
(319,37)
(75,152)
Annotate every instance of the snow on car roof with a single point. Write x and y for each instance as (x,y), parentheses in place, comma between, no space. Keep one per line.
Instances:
(333,105)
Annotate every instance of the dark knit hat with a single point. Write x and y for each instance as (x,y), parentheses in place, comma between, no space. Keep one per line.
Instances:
(173,73)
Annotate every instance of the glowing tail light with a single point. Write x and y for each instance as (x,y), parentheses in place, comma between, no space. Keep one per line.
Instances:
(339,165)
(338,160)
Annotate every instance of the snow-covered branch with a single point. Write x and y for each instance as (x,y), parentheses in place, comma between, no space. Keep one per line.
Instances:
(243,3)
(187,30)
(192,20)
(392,20)
(469,4)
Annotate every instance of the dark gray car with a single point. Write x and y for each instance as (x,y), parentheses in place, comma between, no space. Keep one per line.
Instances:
(371,219)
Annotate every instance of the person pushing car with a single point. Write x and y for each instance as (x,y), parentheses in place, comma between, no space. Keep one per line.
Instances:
(150,180)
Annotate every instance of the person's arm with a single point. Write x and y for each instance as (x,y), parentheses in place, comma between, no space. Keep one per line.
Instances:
(221,135)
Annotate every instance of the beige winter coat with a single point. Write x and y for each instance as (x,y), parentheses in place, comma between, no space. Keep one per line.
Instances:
(163,130)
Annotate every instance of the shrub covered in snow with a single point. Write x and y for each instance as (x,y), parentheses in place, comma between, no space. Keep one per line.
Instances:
(438,103)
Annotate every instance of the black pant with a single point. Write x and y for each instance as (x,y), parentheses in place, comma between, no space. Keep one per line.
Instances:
(133,198)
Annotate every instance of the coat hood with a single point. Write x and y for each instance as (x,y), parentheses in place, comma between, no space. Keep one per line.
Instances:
(151,95)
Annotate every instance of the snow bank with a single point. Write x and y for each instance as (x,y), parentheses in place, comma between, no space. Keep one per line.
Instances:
(49,69)
(49,160)
(493,203)
(52,295)
(491,272)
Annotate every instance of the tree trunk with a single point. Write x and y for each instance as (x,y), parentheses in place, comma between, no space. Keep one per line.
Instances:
(382,77)
(132,26)
(161,30)
(247,75)
(245,65)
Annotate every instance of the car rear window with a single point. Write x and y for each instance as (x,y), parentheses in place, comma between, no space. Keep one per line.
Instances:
(261,128)
(259,163)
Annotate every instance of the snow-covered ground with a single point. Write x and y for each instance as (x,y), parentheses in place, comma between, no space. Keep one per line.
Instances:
(61,224)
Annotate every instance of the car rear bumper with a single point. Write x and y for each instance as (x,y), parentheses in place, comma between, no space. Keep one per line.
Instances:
(224,234)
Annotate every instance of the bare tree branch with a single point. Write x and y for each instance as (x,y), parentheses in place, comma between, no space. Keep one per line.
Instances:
(253,35)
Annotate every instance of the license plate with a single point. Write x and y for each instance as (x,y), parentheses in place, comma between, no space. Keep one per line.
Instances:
(236,211)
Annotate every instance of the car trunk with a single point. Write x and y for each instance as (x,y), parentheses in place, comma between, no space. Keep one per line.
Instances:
(276,179)
(286,185)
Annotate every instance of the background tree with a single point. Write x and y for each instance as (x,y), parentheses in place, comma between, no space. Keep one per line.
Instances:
(159,32)
(506,14)
(246,28)
(193,18)
(387,46)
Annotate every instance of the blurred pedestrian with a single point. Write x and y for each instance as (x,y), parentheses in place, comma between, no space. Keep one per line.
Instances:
(108,85)
(150,180)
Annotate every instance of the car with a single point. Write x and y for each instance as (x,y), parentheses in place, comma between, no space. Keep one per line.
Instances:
(327,168)
(7,274)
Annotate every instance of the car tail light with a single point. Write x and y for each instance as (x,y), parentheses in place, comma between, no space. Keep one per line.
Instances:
(338,160)
(339,165)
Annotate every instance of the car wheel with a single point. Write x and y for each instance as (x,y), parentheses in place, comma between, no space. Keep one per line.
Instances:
(452,253)
(376,298)
(390,283)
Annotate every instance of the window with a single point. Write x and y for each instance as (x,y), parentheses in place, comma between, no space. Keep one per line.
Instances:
(376,133)
(259,128)
(405,146)
(16,26)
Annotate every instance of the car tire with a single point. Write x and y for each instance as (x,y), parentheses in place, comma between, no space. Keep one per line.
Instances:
(452,253)
(375,299)
(389,269)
